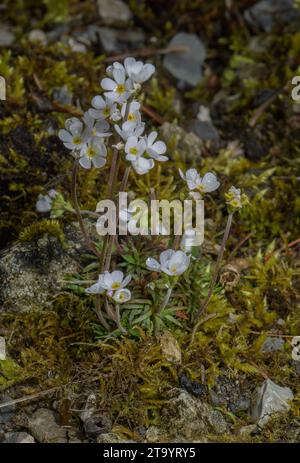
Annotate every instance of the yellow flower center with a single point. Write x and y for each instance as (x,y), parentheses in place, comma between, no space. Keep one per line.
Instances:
(131,117)
(106,111)
(173,269)
(115,285)
(91,152)
(201,188)
(133,151)
(120,89)
(235,203)
(76,141)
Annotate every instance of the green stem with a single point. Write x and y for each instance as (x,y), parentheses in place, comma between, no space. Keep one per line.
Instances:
(215,275)
(87,239)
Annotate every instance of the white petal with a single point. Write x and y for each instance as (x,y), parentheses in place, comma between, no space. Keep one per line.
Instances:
(64,135)
(151,138)
(98,102)
(85,162)
(108,84)
(210,182)
(166,256)
(95,289)
(152,264)
(98,161)
(159,147)
(119,76)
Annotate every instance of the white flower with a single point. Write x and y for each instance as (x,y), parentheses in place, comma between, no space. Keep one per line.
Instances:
(155,149)
(137,70)
(205,184)
(134,148)
(102,108)
(118,88)
(142,165)
(74,137)
(236,192)
(125,134)
(44,202)
(133,117)
(171,262)
(111,67)
(93,153)
(95,129)
(111,281)
(122,295)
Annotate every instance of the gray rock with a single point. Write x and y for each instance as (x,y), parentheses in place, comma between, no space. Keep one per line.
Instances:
(187,65)
(272,344)
(114,40)
(112,438)
(114,12)
(269,399)
(191,418)
(266,14)
(2,348)
(63,95)
(19,438)
(44,428)
(170,348)
(188,144)
(94,423)
(248,430)
(30,272)
(296,366)
(6,413)
(7,37)
(205,130)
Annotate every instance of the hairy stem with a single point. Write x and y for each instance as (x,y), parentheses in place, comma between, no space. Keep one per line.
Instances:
(76,207)
(215,274)
(100,314)
(166,299)
(118,320)
(111,185)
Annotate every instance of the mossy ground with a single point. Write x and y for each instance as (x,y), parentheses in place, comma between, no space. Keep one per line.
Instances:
(61,347)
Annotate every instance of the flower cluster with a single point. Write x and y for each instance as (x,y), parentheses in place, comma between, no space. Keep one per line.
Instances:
(115,112)
(170,262)
(235,199)
(113,284)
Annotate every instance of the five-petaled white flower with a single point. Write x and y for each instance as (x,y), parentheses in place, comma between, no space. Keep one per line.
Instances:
(74,136)
(122,295)
(132,113)
(171,262)
(205,184)
(138,71)
(134,148)
(125,134)
(102,108)
(155,149)
(109,281)
(118,87)
(93,153)
(95,129)
(142,165)
(44,202)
